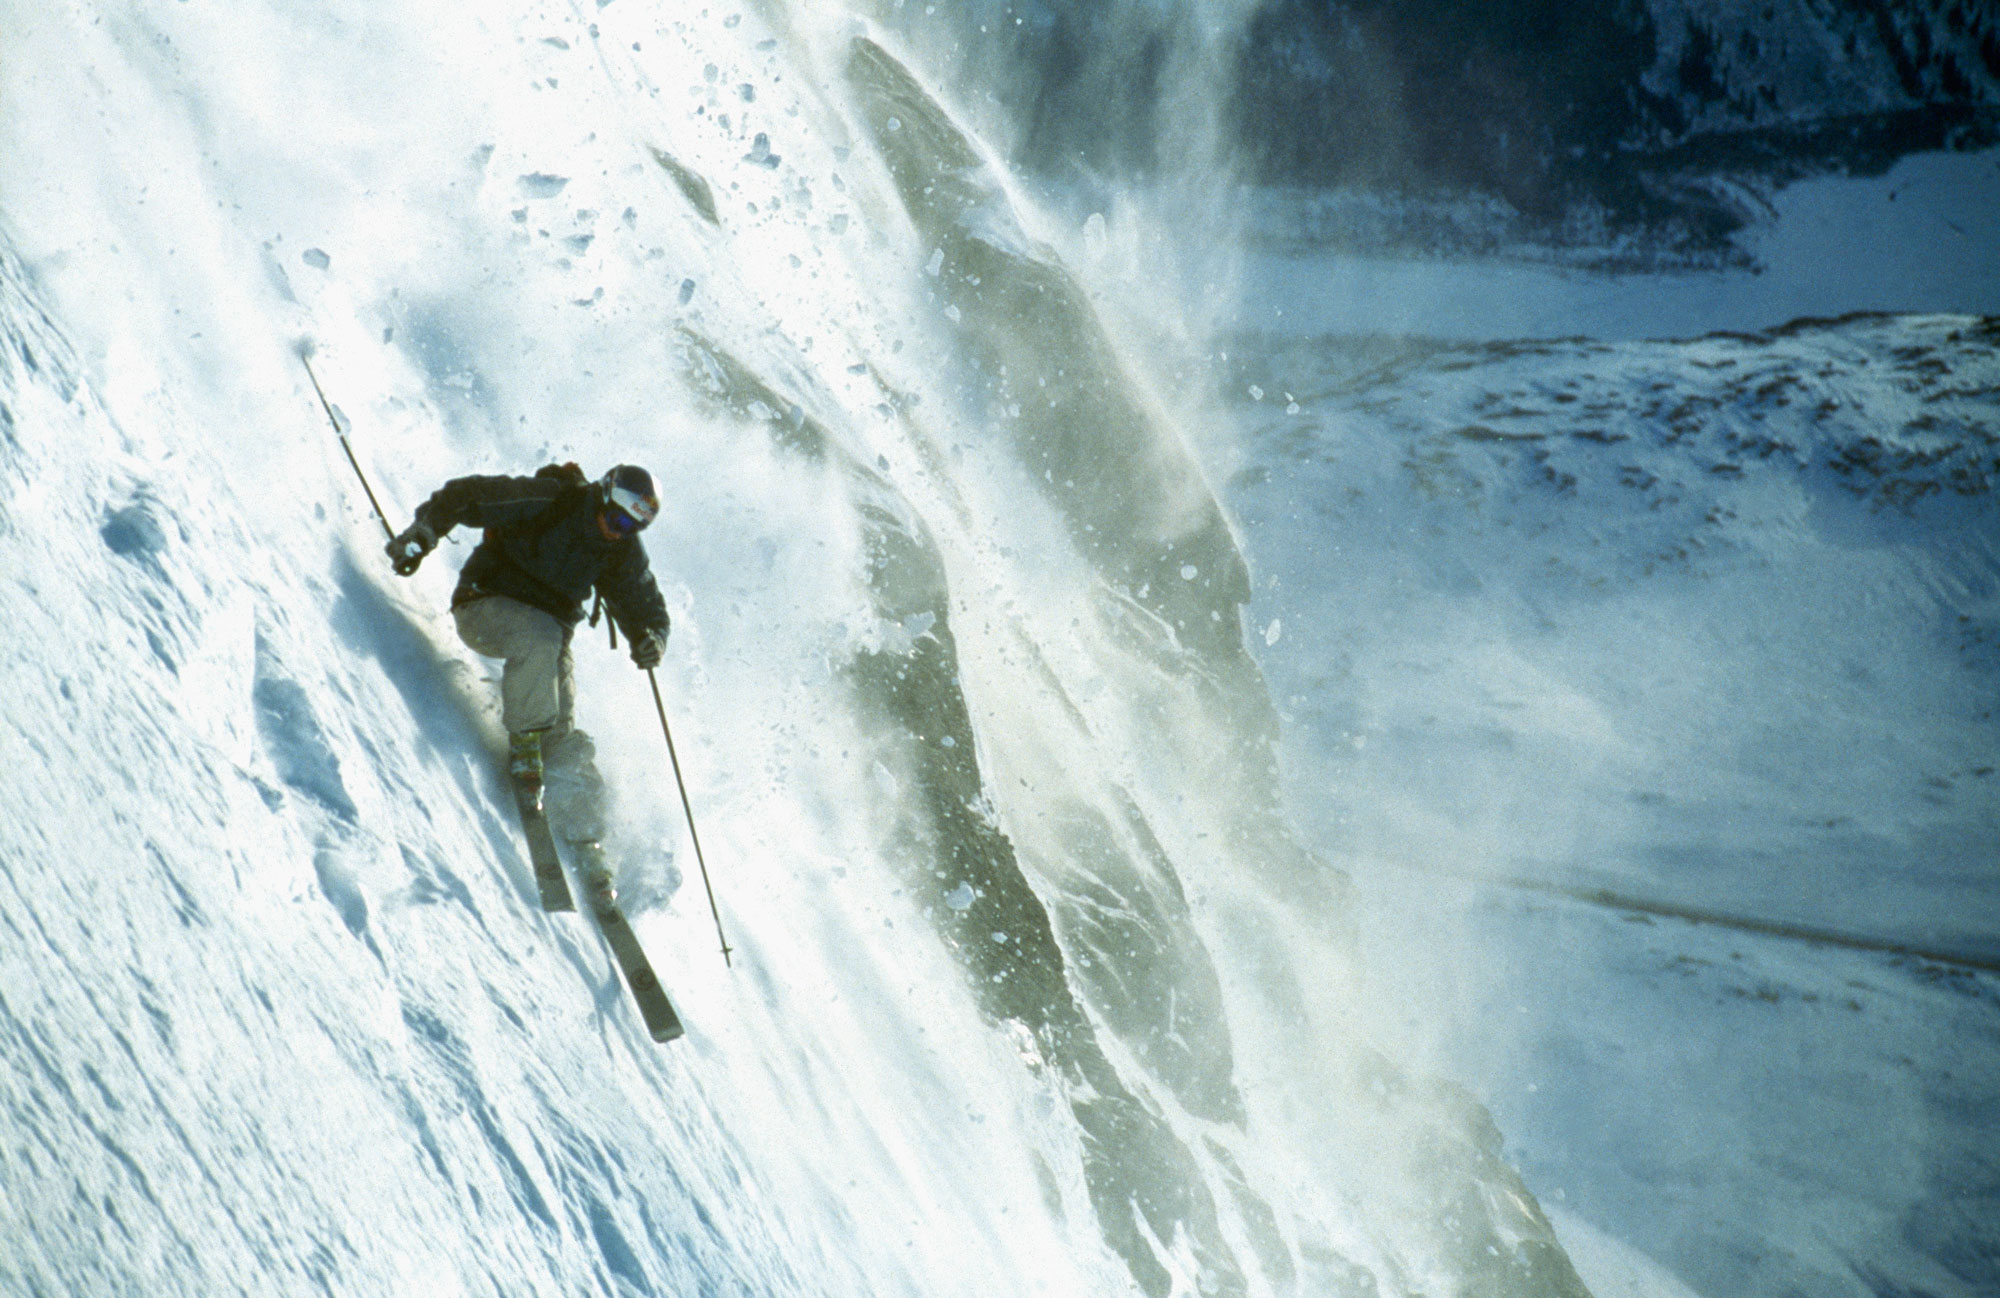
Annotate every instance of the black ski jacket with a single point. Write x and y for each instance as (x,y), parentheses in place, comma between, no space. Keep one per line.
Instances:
(544,548)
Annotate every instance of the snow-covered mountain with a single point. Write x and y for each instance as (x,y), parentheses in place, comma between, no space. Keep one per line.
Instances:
(1066,690)
(1650,686)
(1035,990)
(1760,545)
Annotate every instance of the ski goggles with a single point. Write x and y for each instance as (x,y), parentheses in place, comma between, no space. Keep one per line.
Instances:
(626,511)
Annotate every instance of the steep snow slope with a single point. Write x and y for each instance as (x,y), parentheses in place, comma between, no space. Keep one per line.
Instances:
(281,1013)
(1036,991)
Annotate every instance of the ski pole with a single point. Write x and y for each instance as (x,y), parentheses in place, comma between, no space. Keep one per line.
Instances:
(693,837)
(305,359)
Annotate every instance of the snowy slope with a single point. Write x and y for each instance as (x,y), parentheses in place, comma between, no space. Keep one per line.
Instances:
(1072,957)
(281,1012)
(1036,992)
(1646,579)
(1709,625)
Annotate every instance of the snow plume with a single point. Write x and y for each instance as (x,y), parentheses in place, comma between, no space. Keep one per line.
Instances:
(1035,990)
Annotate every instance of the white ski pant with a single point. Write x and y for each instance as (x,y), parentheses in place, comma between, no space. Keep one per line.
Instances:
(538,686)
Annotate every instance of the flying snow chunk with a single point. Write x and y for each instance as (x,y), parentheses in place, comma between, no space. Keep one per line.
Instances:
(315,258)
(1273,631)
(961,897)
(540,184)
(1189,572)
(1094,232)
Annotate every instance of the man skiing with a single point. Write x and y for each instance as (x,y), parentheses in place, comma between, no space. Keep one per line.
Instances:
(551,539)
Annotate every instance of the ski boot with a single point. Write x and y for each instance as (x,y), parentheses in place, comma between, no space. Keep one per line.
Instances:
(593,872)
(524,763)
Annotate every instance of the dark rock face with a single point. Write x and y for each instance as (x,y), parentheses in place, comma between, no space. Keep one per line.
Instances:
(1627,112)
(1504,97)
(1628,107)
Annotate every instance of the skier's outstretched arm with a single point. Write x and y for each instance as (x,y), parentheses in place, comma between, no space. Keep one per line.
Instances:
(480,500)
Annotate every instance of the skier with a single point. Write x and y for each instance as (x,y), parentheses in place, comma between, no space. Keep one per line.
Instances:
(550,540)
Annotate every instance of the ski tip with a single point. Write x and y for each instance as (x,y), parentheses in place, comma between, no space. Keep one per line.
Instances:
(666,1032)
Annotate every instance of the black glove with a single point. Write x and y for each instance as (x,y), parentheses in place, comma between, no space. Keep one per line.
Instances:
(409,549)
(648,648)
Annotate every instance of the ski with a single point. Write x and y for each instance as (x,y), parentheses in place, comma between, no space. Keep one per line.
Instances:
(542,849)
(662,1024)
(654,1007)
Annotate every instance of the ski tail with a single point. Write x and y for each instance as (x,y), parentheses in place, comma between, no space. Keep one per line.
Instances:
(662,1024)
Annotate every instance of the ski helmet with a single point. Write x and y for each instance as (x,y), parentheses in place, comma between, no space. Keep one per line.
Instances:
(629,499)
